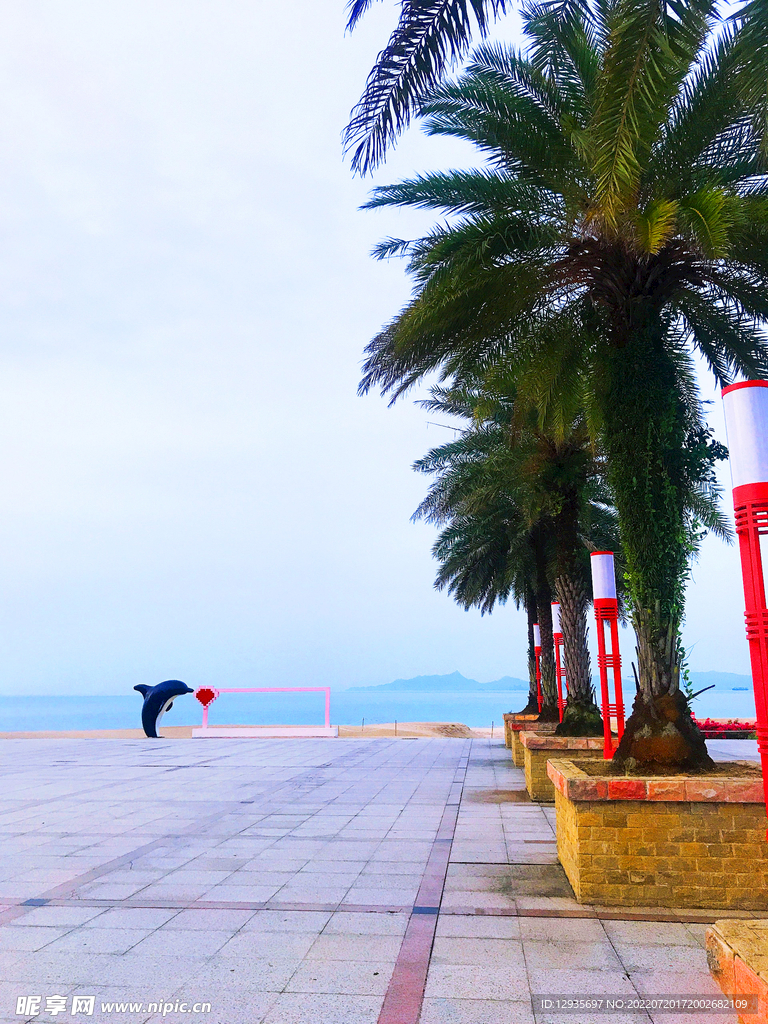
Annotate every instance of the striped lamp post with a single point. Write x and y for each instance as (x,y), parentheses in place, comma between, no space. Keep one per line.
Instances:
(537,655)
(746,424)
(608,655)
(557,637)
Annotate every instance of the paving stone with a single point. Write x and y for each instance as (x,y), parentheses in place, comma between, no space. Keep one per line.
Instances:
(343,977)
(308,921)
(292,1008)
(566,955)
(346,923)
(355,947)
(264,945)
(29,939)
(476,1011)
(465,981)
(100,940)
(465,926)
(649,933)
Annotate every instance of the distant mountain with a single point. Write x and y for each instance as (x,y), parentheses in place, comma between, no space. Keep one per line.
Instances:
(505,683)
(454,682)
(721,680)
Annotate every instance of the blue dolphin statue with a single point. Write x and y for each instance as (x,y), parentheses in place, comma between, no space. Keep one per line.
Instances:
(157,700)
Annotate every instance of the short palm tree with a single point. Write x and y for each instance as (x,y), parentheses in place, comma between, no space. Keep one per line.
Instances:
(487,549)
(522,509)
(622,222)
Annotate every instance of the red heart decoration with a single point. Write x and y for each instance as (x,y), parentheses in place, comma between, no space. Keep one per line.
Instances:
(206,695)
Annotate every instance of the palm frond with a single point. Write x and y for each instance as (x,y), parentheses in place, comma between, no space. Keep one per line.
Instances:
(431,35)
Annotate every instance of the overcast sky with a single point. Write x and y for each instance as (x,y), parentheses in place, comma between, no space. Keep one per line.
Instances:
(190,486)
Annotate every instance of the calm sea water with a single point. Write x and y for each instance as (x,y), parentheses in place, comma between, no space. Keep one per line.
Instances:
(21,714)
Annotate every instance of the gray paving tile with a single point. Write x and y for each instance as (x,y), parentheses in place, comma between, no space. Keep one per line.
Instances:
(202,919)
(309,921)
(472,927)
(654,958)
(561,982)
(558,928)
(129,917)
(353,923)
(29,937)
(195,944)
(267,944)
(355,947)
(497,954)
(99,940)
(566,955)
(649,933)
(56,917)
(693,981)
(290,1008)
(476,1011)
(467,981)
(263,975)
(341,977)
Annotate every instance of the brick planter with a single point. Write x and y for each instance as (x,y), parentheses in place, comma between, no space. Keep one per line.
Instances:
(662,842)
(538,748)
(539,728)
(737,954)
(515,722)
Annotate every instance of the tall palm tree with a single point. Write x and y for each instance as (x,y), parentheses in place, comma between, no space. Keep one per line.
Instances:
(621,223)
(522,510)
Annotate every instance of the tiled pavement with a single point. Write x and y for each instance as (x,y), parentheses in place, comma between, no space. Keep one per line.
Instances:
(298,881)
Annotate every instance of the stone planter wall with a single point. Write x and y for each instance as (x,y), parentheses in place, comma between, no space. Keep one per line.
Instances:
(538,748)
(512,722)
(662,842)
(737,954)
(539,728)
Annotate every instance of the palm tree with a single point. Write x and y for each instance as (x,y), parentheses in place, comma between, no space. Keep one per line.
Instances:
(487,550)
(621,223)
(522,510)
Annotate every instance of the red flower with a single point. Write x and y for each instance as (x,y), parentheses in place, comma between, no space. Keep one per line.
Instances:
(206,695)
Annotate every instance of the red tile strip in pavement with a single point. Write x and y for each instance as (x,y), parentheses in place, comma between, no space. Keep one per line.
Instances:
(405,994)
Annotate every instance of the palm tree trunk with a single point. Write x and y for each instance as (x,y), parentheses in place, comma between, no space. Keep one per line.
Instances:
(645,435)
(582,715)
(532,707)
(549,710)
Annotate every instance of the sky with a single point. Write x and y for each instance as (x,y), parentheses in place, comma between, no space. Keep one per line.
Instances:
(191,486)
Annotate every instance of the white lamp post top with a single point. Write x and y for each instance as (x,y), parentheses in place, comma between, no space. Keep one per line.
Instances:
(603,576)
(746,424)
(556,617)
(536,636)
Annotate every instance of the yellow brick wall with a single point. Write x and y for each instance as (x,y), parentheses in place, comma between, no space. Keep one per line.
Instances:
(653,853)
(517,750)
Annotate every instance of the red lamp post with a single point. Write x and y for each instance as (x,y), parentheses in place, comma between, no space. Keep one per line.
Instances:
(608,655)
(746,424)
(557,637)
(537,655)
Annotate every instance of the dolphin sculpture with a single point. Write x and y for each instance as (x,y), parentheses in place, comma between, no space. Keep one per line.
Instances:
(157,700)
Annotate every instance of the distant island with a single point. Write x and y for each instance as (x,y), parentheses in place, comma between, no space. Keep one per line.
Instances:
(455,682)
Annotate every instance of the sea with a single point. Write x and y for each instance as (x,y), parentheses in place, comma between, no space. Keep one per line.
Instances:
(348,707)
